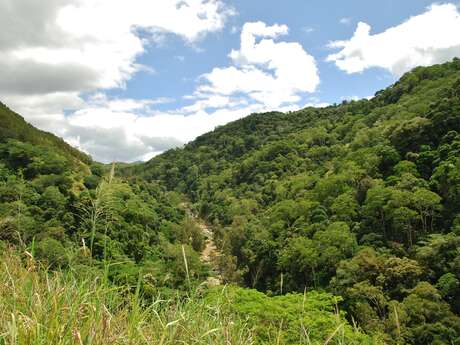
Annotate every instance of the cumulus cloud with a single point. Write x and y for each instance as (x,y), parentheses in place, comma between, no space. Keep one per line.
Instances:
(268,72)
(429,38)
(82,45)
(54,52)
(131,130)
(58,58)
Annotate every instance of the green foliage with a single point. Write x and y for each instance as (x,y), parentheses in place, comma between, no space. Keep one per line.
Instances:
(359,200)
(309,318)
(425,319)
(316,197)
(42,307)
(13,126)
(52,252)
(91,218)
(317,258)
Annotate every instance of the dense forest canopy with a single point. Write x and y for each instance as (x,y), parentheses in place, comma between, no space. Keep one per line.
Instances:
(338,224)
(361,199)
(13,126)
(73,212)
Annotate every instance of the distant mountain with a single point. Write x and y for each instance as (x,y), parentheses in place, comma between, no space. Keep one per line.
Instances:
(406,115)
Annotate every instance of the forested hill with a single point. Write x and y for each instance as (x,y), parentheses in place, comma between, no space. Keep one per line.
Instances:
(70,212)
(14,127)
(346,219)
(122,260)
(361,199)
(408,103)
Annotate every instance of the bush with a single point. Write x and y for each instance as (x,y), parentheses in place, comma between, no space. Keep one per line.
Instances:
(52,252)
(310,318)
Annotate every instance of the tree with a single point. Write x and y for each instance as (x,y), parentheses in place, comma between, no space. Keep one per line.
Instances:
(438,253)
(53,252)
(313,261)
(404,220)
(53,199)
(374,208)
(427,319)
(300,260)
(345,207)
(427,204)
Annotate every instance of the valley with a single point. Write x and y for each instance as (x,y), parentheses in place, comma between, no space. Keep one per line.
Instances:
(333,225)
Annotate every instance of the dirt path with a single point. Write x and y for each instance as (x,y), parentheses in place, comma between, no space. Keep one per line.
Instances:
(210,253)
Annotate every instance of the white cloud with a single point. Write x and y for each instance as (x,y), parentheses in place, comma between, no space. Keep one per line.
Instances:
(82,45)
(345,21)
(268,72)
(57,74)
(53,52)
(136,131)
(426,39)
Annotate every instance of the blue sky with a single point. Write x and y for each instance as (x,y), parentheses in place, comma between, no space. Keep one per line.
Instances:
(311,23)
(126,80)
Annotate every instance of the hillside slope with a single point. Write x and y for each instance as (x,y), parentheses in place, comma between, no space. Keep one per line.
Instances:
(88,256)
(69,211)
(13,126)
(361,198)
(354,207)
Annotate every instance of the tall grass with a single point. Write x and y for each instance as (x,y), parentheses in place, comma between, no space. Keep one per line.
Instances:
(40,307)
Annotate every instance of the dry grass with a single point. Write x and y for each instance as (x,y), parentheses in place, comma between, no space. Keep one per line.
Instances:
(39,307)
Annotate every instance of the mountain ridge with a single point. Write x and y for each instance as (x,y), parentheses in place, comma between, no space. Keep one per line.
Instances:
(339,198)
(356,203)
(14,126)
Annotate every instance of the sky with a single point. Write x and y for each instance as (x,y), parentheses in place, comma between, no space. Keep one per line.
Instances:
(125,80)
